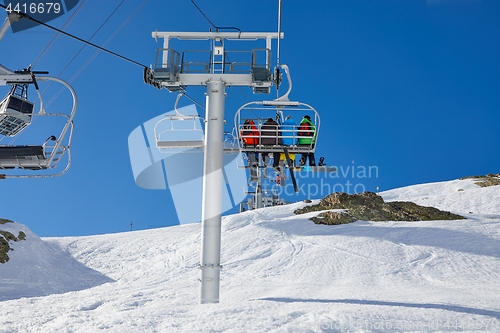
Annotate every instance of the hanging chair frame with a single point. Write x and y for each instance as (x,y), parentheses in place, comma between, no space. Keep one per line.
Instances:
(39,159)
(163,137)
(259,111)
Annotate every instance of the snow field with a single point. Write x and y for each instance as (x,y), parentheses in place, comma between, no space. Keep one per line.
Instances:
(283,273)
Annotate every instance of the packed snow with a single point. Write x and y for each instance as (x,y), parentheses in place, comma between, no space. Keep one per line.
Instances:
(282,273)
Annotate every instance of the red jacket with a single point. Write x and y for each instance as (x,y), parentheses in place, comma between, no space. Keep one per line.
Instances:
(249,133)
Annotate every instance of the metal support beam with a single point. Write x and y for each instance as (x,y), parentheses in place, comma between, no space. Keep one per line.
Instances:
(15,78)
(258,77)
(212,192)
(222,35)
(202,79)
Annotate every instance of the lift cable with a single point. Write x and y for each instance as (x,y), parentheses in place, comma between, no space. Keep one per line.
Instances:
(49,45)
(109,39)
(88,61)
(278,60)
(91,37)
(97,52)
(277,73)
(213,25)
(24,15)
(81,49)
(92,58)
(77,53)
(192,99)
(217,29)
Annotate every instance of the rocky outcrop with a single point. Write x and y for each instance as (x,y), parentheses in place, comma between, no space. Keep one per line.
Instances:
(485,181)
(369,206)
(5,239)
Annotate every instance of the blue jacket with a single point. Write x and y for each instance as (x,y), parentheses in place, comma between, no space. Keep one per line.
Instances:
(289,132)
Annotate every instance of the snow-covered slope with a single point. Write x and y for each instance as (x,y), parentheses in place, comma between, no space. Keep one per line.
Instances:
(38,268)
(283,273)
(458,196)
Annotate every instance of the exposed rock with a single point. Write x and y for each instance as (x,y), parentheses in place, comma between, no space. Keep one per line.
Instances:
(333,218)
(5,239)
(485,181)
(369,206)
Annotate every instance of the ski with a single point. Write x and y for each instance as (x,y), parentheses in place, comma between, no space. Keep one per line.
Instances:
(290,166)
(323,168)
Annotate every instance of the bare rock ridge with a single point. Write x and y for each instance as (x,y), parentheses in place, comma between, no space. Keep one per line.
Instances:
(369,206)
(485,181)
(5,238)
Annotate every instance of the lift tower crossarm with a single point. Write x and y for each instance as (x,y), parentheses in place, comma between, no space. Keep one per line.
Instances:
(181,76)
(10,77)
(213,35)
(268,36)
(15,78)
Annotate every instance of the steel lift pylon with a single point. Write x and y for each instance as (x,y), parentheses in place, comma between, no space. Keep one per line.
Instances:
(215,68)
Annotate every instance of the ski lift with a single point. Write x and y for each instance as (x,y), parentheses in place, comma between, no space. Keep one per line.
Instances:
(264,138)
(16,114)
(282,137)
(179,131)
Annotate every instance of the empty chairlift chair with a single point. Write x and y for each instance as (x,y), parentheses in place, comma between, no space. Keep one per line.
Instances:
(179,131)
(16,118)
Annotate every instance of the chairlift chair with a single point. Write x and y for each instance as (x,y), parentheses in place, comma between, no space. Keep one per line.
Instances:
(231,142)
(16,114)
(179,131)
(259,111)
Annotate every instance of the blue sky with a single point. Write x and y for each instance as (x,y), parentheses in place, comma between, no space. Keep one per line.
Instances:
(409,87)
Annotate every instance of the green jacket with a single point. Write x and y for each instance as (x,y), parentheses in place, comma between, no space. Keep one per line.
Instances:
(307,132)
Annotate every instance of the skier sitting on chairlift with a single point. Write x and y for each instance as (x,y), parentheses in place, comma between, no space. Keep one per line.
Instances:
(307,136)
(250,137)
(271,137)
(289,134)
